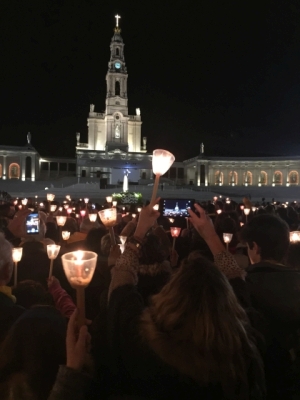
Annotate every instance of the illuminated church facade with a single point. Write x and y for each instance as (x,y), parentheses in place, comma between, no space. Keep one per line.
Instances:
(115,145)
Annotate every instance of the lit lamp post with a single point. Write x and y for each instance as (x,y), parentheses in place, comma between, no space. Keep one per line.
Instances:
(175,232)
(161,162)
(93,217)
(227,237)
(109,219)
(295,236)
(50,197)
(52,251)
(79,267)
(17,253)
(247,212)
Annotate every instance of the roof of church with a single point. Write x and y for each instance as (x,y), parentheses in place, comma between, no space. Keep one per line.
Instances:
(25,148)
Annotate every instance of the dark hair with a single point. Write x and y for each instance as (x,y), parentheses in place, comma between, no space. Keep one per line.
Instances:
(31,354)
(29,293)
(93,239)
(270,233)
(152,251)
(293,257)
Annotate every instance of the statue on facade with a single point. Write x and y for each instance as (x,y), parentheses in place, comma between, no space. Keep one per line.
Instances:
(138,111)
(201,148)
(29,138)
(117,132)
(78,138)
(144,142)
(92,107)
(125,180)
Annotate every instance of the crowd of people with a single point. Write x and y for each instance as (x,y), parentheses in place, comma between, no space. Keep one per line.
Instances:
(198,320)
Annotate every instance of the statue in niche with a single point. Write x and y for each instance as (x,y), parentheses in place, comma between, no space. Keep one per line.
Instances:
(293,177)
(92,107)
(117,132)
(277,177)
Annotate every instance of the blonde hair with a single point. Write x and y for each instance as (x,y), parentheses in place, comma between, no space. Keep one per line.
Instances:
(196,325)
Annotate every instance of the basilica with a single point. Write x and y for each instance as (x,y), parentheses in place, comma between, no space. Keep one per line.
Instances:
(116,146)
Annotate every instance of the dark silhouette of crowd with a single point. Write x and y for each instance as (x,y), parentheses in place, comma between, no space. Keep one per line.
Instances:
(200,319)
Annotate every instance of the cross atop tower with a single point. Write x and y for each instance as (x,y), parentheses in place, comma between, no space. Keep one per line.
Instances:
(117,19)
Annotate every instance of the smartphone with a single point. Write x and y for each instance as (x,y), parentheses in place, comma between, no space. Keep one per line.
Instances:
(32,224)
(177,207)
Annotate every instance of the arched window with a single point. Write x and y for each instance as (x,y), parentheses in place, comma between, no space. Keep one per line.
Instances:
(248,178)
(263,178)
(117,51)
(277,178)
(293,178)
(219,178)
(117,88)
(0,170)
(14,171)
(233,178)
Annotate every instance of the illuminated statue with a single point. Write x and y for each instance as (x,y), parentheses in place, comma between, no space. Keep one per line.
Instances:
(28,138)
(117,132)
(125,180)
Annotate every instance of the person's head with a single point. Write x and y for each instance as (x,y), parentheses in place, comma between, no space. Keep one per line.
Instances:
(267,238)
(86,225)
(105,245)
(197,317)
(6,262)
(29,293)
(152,251)
(293,256)
(31,354)
(93,239)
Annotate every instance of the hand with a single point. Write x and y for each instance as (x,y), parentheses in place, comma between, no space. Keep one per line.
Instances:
(202,224)
(173,257)
(52,281)
(147,218)
(114,254)
(17,224)
(78,344)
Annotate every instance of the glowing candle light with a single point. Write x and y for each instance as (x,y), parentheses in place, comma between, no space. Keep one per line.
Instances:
(79,267)
(65,235)
(219,211)
(17,253)
(175,232)
(247,212)
(24,201)
(50,197)
(53,207)
(82,213)
(109,199)
(93,217)
(295,236)
(69,210)
(227,237)
(114,203)
(61,220)
(108,217)
(161,163)
(52,252)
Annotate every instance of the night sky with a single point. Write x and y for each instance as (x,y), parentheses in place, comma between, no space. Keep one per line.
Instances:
(223,72)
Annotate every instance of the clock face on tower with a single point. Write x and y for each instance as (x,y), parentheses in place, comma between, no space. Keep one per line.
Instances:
(117,65)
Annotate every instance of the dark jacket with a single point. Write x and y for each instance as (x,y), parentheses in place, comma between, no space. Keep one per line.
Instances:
(274,291)
(137,369)
(9,313)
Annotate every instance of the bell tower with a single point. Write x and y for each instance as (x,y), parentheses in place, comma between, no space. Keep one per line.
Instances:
(116,77)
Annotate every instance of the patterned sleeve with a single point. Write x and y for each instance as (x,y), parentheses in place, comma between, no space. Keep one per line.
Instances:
(125,270)
(228,265)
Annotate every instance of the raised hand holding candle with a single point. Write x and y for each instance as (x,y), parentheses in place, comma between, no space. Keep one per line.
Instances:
(52,251)
(17,253)
(175,232)
(79,267)
(161,162)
